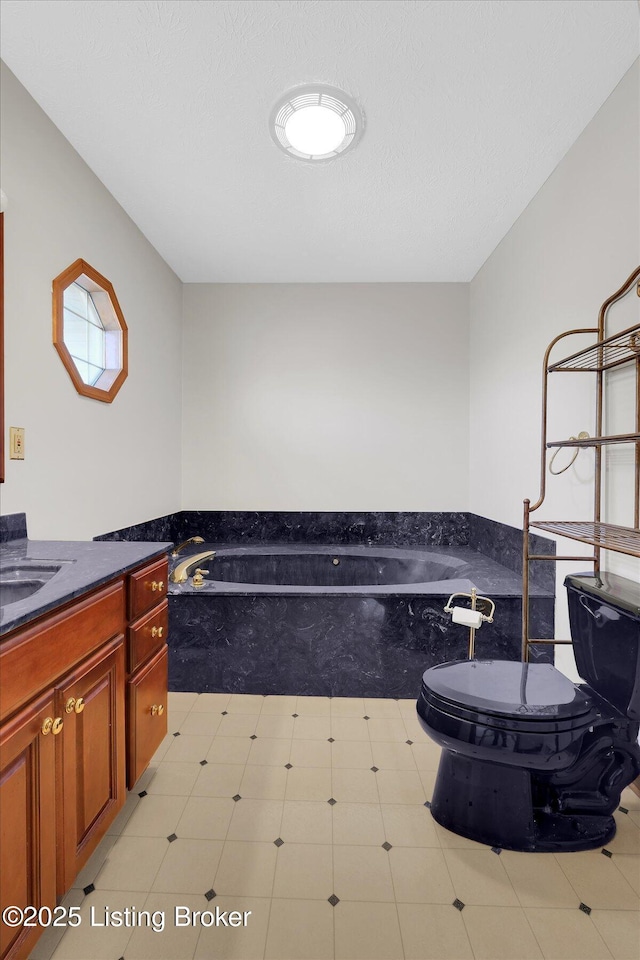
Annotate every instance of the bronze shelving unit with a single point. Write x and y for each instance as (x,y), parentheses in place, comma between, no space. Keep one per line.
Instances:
(605,354)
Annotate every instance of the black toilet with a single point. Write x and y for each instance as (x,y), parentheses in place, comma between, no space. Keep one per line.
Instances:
(530,760)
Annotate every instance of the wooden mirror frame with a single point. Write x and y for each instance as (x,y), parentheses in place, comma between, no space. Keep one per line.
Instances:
(1,347)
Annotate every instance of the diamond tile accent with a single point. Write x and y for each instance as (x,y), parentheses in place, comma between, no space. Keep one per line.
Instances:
(279,842)
(331,740)
(237,797)
(177,733)
(366,718)
(333,900)
(427,804)
(606,852)
(288,766)
(386,845)
(172,837)
(142,793)
(210,894)
(410,742)
(203,763)
(253,737)
(497,850)
(331,801)
(225,713)
(585,908)
(623,810)
(458,904)
(375,769)
(294,714)
(88,890)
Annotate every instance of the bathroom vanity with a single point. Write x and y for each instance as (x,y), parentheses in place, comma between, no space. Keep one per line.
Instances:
(83,692)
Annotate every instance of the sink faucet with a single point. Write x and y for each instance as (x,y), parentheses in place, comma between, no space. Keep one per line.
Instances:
(180,573)
(181,546)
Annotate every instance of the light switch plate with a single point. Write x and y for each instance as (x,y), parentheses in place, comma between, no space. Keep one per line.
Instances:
(16,443)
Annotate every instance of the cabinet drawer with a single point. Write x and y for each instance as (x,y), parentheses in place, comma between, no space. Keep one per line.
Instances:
(36,657)
(147,587)
(147,635)
(146,726)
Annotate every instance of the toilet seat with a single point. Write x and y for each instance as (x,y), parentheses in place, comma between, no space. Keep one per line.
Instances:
(511,694)
(516,714)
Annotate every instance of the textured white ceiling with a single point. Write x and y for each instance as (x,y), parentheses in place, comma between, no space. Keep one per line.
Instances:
(469,106)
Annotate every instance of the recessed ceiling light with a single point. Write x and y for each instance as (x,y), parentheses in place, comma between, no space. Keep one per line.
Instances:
(316,122)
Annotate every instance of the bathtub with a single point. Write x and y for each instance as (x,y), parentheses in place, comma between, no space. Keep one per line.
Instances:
(293,568)
(329,620)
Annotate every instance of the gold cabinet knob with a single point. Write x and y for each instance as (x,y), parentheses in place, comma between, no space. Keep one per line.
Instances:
(157,710)
(157,585)
(57,726)
(69,705)
(46,726)
(79,705)
(157,632)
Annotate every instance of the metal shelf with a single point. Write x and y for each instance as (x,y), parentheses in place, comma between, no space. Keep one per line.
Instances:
(603,355)
(607,536)
(596,441)
(607,353)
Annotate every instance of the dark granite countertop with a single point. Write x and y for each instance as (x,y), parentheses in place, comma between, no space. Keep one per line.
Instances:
(83,565)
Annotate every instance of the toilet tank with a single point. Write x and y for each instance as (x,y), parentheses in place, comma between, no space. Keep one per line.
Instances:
(604,613)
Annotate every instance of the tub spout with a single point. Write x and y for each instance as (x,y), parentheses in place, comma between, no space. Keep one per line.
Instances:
(180,573)
(181,546)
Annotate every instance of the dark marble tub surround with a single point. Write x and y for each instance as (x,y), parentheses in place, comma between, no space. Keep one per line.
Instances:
(162,528)
(498,541)
(390,529)
(375,640)
(13,526)
(327,645)
(279,526)
(368,640)
(83,566)
(503,543)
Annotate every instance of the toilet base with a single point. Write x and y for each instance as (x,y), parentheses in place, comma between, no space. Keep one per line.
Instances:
(492,803)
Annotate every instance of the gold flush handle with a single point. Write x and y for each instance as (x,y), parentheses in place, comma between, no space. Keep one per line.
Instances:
(157,710)
(157,632)
(157,585)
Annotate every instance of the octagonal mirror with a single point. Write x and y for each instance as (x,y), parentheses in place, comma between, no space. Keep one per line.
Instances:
(89,331)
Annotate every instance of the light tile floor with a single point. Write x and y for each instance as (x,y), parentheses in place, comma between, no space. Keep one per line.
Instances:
(310,813)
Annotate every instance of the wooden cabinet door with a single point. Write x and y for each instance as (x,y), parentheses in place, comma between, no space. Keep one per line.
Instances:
(146,713)
(28,820)
(92,765)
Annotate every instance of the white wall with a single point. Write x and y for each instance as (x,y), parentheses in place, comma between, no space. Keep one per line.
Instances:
(575,244)
(89,466)
(325,396)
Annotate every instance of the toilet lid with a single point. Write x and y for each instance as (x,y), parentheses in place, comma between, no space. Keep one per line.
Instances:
(531,691)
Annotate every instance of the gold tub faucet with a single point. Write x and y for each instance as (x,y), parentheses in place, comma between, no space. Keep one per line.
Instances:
(180,573)
(181,546)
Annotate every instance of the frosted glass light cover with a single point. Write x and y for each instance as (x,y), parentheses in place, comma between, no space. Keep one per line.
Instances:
(315,130)
(316,122)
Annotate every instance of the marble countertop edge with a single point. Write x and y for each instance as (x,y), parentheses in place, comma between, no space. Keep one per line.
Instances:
(85,565)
